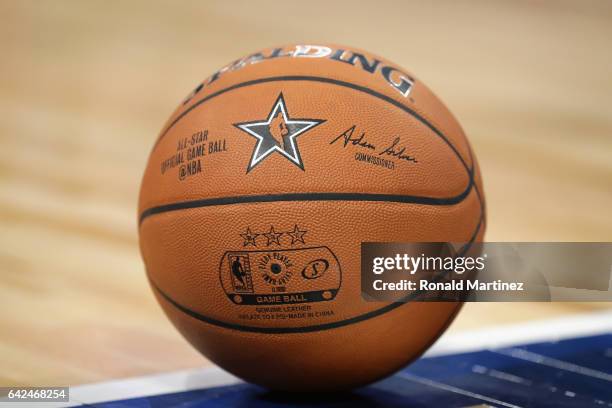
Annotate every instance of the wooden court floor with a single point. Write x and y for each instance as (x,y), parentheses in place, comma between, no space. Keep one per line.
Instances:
(86,85)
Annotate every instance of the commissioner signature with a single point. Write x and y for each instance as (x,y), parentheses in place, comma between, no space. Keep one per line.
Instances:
(394,149)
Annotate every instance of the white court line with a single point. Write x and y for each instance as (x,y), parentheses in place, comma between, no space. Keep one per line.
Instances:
(177,381)
(446,387)
(496,337)
(580,325)
(553,362)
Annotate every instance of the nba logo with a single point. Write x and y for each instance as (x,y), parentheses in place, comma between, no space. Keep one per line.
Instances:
(240,271)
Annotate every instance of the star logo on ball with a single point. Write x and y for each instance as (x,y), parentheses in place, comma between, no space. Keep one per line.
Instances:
(277,133)
(273,236)
(249,237)
(297,235)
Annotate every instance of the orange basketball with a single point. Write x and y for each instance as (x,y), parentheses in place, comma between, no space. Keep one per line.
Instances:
(259,191)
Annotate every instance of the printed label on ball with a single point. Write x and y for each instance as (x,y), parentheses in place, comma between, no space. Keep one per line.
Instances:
(280,276)
(191,152)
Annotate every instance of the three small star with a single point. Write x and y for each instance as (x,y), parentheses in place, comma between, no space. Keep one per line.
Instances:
(273,237)
(249,237)
(297,235)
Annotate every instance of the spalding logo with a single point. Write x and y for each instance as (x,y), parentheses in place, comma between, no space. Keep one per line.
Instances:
(315,269)
(399,80)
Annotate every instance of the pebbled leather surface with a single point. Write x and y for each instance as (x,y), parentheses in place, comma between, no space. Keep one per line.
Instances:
(183,249)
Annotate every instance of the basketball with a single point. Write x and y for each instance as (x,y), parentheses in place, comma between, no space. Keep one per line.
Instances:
(259,191)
